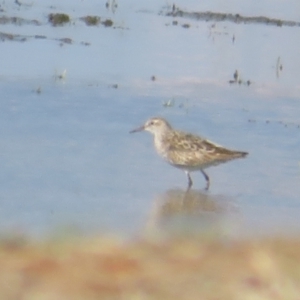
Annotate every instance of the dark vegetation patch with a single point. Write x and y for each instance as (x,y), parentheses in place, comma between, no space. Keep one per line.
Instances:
(238,80)
(17,21)
(91,20)
(55,19)
(186,25)
(66,41)
(40,37)
(108,23)
(286,124)
(22,38)
(58,19)
(12,37)
(115,86)
(230,17)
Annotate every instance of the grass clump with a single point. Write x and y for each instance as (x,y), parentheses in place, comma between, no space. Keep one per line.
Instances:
(58,19)
(91,20)
(108,23)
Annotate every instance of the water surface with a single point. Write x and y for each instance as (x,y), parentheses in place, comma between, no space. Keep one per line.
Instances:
(66,109)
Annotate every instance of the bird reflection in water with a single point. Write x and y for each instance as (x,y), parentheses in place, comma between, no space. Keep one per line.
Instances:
(191,211)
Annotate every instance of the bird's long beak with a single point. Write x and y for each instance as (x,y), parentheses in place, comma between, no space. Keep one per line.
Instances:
(137,129)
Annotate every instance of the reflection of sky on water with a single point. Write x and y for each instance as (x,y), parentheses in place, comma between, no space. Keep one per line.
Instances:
(66,154)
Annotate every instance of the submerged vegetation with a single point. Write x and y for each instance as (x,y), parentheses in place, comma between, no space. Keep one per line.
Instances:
(108,23)
(58,19)
(230,17)
(91,20)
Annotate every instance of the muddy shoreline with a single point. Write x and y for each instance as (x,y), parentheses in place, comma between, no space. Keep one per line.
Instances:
(175,269)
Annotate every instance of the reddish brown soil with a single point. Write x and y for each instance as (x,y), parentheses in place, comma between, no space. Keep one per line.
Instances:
(175,269)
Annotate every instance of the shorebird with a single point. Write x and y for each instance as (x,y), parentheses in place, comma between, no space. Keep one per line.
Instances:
(187,151)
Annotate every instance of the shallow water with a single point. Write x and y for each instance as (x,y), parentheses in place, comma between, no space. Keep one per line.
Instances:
(66,109)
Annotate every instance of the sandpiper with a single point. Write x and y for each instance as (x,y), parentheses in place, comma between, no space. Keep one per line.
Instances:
(187,151)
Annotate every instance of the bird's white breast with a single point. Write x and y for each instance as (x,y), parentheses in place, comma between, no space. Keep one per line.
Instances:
(161,147)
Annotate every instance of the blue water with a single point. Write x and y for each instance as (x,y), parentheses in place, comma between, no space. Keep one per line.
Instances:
(67,157)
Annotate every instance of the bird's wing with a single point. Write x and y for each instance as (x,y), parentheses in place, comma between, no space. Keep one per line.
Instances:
(192,150)
(189,142)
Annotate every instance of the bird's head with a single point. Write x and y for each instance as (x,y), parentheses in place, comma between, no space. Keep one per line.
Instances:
(156,126)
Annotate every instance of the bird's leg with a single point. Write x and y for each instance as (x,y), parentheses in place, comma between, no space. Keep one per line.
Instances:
(207,179)
(190,182)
